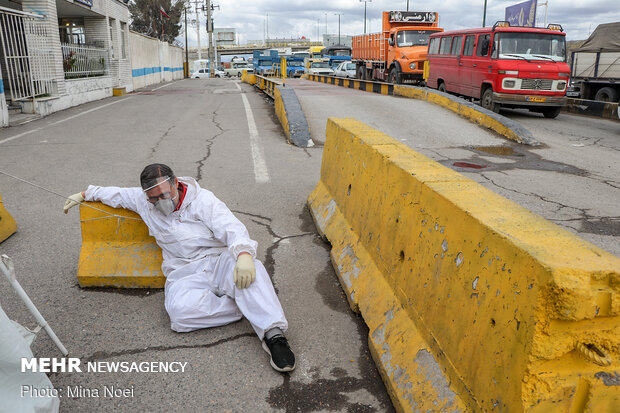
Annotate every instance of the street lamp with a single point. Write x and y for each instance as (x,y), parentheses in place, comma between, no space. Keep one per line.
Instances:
(368,1)
(339,14)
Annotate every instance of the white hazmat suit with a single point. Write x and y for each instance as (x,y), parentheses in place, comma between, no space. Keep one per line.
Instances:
(200,244)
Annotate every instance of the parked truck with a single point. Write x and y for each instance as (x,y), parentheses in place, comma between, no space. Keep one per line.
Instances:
(263,61)
(336,55)
(398,52)
(595,66)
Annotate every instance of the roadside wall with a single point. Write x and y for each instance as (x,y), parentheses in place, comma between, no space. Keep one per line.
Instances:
(153,61)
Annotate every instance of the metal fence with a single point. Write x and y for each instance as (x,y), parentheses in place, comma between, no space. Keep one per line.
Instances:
(27,63)
(83,61)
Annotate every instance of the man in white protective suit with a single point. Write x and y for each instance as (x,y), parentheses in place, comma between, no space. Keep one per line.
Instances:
(212,274)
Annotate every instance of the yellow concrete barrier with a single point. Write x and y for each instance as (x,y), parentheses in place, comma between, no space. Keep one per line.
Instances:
(117,251)
(281,113)
(473,303)
(248,77)
(119,91)
(8,226)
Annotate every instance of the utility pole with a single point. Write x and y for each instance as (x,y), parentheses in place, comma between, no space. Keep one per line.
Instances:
(484,14)
(198,28)
(186,70)
(325,23)
(210,33)
(365,3)
(339,14)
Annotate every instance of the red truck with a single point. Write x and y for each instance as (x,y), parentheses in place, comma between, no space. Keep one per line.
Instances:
(398,52)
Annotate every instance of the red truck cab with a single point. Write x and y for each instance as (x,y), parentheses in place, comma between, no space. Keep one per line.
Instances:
(514,67)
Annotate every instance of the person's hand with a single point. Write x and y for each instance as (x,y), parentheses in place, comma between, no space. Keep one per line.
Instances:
(73,200)
(245,271)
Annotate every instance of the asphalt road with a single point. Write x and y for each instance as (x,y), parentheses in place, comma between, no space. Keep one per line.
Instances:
(573,179)
(200,128)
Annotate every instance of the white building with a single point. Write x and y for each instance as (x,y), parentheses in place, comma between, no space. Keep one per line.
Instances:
(61,53)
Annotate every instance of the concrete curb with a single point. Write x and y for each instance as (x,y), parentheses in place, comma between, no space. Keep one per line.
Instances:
(473,303)
(477,114)
(288,109)
(592,108)
(8,226)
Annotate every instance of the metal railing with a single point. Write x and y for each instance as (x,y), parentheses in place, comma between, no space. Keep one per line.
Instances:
(27,54)
(83,61)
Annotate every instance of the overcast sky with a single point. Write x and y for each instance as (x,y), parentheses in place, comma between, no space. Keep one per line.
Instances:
(296,18)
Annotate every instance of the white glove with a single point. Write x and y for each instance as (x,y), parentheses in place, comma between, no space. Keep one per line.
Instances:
(72,201)
(245,271)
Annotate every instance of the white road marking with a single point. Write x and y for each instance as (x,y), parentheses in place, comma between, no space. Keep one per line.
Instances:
(89,110)
(19,135)
(261,174)
(63,120)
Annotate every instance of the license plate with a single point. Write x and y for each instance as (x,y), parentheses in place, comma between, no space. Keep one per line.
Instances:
(535,99)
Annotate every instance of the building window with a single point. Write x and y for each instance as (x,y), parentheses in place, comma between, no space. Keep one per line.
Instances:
(112,38)
(123,40)
(72,30)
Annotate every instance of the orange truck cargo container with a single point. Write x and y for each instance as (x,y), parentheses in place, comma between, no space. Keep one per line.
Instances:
(398,52)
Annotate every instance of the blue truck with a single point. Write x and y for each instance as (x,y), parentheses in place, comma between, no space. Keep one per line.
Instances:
(294,66)
(336,54)
(263,61)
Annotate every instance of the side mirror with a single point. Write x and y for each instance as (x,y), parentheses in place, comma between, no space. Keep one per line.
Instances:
(391,42)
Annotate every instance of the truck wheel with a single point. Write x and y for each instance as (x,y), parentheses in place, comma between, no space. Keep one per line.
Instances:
(551,113)
(607,94)
(238,74)
(442,87)
(394,76)
(486,101)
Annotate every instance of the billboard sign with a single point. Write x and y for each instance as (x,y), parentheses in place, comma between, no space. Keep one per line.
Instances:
(522,14)
(413,16)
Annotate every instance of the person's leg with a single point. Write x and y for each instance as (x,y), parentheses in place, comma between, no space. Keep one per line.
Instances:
(192,305)
(260,305)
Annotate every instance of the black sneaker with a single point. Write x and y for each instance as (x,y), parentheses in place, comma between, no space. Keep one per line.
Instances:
(282,358)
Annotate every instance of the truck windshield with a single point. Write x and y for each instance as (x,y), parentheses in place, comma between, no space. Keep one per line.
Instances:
(532,46)
(294,63)
(406,38)
(320,64)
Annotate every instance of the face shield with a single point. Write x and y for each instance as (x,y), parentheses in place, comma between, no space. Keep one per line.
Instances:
(159,193)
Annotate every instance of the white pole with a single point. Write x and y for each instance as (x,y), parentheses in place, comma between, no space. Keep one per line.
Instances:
(6,266)
(198,30)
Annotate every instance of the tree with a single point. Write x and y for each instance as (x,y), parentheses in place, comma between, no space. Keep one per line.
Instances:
(147,18)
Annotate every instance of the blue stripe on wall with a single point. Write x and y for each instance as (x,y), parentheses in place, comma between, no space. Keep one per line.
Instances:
(151,70)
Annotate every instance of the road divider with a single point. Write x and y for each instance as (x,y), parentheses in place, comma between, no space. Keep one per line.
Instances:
(498,123)
(606,110)
(8,226)
(287,107)
(117,250)
(473,303)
